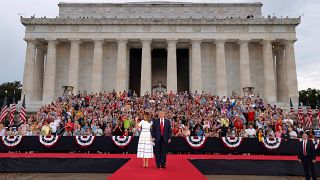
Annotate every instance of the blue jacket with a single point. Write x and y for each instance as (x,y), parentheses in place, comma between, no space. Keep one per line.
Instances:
(156,132)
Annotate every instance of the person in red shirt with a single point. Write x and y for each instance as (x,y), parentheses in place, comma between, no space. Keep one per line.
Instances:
(238,123)
(69,126)
(251,115)
(278,126)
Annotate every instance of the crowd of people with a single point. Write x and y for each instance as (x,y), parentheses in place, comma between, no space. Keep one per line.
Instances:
(191,114)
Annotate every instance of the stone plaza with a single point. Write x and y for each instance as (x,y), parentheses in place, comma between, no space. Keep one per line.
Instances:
(219,48)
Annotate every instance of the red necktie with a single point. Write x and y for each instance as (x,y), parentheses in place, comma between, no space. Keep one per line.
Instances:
(304,148)
(161,127)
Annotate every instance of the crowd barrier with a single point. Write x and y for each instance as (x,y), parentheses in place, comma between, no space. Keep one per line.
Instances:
(121,144)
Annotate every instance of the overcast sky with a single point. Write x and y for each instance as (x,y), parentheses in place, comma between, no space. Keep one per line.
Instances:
(13,47)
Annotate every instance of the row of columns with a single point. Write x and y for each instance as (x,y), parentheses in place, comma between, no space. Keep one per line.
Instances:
(39,82)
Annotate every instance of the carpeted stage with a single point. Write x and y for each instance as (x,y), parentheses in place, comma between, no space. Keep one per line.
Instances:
(124,166)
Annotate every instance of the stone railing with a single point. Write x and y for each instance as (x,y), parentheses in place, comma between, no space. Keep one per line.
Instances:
(157,21)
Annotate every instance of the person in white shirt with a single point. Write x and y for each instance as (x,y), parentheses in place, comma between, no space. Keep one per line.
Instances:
(98,131)
(300,129)
(292,133)
(2,130)
(251,132)
(53,127)
(288,120)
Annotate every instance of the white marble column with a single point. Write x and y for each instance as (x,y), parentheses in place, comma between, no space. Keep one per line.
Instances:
(172,66)
(27,85)
(49,82)
(196,78)
(96,84)
(291,72)
(245,75)
(146,75)
(122,65)
(74,65)
(38,74)
(269,78)
(281,75)
(221,76)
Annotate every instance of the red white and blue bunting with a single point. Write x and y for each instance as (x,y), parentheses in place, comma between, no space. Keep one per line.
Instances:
(122,141)
(315,142)
(84,141)
(11,141)
(196,142)
(271,143)
(48,141)
(232,142)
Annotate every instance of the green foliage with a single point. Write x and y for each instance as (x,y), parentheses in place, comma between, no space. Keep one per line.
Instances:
(10,87)
(309,97)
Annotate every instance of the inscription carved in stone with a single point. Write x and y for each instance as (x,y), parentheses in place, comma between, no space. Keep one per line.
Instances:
(98,28)
(268,28)
(220,28)
(122,28)
(196,28)
(172,28)
(51,28)
(75,28)
(290,28)
(30,28)
(245,28)
(146,28)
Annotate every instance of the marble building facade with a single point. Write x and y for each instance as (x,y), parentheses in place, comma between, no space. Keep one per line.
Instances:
(210,47)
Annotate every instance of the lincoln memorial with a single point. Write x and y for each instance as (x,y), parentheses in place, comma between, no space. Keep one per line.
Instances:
(218,48)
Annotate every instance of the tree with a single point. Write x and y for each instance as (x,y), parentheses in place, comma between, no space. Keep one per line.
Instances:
(11,88)
(309,97)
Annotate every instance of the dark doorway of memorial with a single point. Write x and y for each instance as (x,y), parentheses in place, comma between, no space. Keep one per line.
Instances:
(183,69)
(135,70)
(159,69)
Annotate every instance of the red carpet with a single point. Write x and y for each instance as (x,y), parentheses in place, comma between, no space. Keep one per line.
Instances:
(177,168)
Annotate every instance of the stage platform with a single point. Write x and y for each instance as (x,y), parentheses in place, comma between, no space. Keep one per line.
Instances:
(127,166)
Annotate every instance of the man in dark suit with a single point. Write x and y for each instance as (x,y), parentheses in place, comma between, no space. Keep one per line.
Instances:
(161,135)
(307,156)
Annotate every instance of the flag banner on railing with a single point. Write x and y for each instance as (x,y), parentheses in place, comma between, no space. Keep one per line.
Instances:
(84,141)
(196,142)
(11,141)
(49,140)
(122,141)
(232,142)
(271,143)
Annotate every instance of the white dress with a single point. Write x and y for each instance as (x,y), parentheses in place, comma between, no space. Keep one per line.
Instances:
(145,146)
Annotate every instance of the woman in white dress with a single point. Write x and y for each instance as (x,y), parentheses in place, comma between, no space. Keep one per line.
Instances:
(145,146)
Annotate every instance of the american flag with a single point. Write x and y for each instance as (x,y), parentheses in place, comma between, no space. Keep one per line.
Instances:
(23,110)
(12,112)
(4,110)
(318,116)
(309,121)
(300,115)
(291,107)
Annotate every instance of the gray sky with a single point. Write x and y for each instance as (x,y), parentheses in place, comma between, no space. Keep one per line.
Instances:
(12,45)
